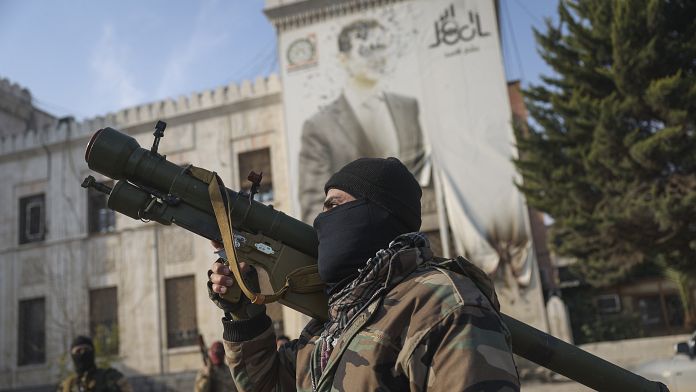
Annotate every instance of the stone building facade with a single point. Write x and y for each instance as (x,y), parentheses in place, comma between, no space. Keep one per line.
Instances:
(70,266)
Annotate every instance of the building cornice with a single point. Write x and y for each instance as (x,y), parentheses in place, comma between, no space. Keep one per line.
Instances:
(286,15)
(198,106)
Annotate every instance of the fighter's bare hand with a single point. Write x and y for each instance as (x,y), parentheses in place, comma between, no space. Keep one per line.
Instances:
(222,278)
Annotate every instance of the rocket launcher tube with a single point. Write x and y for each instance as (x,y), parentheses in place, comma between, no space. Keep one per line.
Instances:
(151,187)
(119,156)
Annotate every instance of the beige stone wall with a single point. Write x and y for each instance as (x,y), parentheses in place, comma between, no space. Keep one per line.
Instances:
(630,353)
(208,129)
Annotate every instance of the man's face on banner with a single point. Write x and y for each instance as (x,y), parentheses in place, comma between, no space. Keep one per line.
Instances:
(364,47)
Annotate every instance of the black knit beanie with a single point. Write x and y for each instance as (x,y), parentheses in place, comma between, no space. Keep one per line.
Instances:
(80,340)
(387,182)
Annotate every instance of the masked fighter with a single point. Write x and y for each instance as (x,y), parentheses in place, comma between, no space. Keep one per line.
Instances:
(398,319)
(88,377)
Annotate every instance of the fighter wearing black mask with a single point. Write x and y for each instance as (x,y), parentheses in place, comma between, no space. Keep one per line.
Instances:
(397,320)
(352,232)
(88,376)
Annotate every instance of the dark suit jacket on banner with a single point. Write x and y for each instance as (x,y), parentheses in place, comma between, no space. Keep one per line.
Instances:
(334,137)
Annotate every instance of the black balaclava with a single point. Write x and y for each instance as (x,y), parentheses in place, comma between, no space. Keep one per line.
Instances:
(387,205)
(83,361)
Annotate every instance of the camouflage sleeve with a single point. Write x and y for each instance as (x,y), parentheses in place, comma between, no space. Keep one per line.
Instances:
(257,366)
(468,350)
(202,380)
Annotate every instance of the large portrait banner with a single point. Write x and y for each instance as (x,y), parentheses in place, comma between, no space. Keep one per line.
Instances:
(422,81)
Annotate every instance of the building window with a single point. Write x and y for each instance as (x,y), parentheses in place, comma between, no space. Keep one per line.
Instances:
(32,218)
(258,161)
(101,219)
(674,310)
(608,303)
(31,342)
(182,328)
(650,310)
(103,320)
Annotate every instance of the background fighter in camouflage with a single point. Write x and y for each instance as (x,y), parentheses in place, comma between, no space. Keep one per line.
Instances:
(88,377)
(215,375)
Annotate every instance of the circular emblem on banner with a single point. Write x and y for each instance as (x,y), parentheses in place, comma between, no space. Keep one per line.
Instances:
(301,52)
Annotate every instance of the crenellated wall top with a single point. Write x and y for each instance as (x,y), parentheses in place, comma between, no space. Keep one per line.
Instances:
(289,14)
(14,89)
(141,114)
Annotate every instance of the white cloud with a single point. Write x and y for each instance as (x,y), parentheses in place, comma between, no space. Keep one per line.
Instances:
(203,43)
(108,63)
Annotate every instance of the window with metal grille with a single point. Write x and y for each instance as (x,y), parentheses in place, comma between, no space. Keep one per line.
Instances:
(650,309)
(32,216)
(103,320)
(101,219)
(31,339)
(182,329)
(258,161)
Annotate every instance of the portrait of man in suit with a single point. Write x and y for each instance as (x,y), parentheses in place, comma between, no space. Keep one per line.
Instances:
(363,121)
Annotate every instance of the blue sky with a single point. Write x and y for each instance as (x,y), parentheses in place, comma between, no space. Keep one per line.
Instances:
(87,58)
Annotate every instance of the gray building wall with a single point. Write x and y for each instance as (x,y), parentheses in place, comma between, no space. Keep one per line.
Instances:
(208,129)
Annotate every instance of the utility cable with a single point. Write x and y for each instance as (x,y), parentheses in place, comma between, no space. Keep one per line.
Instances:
(514,41)
(530,14)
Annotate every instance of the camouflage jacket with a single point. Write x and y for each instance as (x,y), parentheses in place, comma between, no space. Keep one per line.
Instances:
(97,380)
(214,379)
(434,329)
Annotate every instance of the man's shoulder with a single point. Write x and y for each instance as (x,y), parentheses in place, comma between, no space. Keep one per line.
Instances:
(330,112)
(435,299)
(437,291)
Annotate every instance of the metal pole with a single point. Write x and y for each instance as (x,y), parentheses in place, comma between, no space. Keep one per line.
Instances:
(441,216)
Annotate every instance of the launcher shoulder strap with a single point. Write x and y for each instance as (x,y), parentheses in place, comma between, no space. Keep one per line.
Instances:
(301,280)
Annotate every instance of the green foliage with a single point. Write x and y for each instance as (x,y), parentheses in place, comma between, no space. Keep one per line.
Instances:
(590,326)
(105,345)
(685,285)
(611,155)
(64,367)
(612,327)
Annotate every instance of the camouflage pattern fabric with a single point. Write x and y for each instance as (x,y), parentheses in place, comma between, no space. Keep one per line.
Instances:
(376,277)
(431,328)
(97,380)
(214,379)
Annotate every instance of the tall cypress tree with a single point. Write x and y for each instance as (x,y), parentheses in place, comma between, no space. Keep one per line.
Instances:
(611,153)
